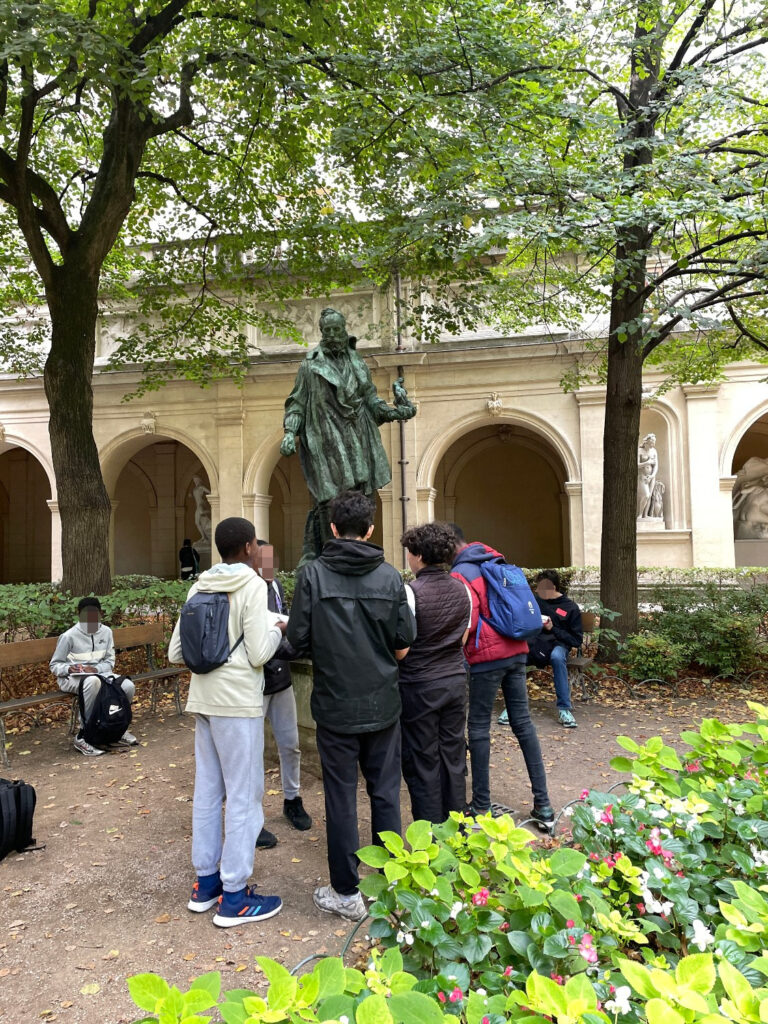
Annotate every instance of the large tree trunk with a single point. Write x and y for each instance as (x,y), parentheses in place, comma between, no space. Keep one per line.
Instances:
(83,500)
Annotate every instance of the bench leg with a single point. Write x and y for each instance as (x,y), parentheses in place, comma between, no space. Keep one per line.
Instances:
(73,716)
(177,696)
(3,750)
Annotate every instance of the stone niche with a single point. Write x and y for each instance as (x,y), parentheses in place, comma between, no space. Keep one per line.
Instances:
(653,422)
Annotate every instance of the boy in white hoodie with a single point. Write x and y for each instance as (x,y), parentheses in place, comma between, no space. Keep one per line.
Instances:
(87,651)
(229,735)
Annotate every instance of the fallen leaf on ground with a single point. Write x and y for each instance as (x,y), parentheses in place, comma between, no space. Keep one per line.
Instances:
(163,918)
(90,989)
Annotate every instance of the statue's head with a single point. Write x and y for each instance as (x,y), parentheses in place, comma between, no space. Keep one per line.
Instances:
(649,441)
(333,331)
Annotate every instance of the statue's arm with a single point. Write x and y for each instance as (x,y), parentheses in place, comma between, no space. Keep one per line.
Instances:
(403,409)
(295,411)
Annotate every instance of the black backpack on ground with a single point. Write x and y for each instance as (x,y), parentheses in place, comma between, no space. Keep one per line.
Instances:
(204,632)
(17,808)
(110,715)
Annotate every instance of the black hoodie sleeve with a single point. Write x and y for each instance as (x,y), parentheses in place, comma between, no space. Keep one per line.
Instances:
(567,630)
(299,630)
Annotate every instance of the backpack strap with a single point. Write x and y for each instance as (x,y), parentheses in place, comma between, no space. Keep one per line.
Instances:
(26,800)
(239,641)
(81,702)
(8,819)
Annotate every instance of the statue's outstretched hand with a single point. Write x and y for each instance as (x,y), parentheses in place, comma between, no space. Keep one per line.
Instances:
(288,447)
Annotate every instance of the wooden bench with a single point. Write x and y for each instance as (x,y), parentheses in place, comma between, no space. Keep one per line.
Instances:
(127,638)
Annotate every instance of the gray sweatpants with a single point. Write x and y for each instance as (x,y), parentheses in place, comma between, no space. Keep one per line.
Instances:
(91,687)
(229,765)
(280,710)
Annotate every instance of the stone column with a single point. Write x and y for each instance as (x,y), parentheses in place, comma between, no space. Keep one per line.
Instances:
(163,517)
(57,568)
(112,519)
(256,508)
(711,514)
(425,504)
(229,429)
(573,522)
(591,403)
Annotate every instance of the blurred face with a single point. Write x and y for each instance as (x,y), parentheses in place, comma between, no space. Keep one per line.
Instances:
(267,562)
(545,588)
(90,618)
(334,334)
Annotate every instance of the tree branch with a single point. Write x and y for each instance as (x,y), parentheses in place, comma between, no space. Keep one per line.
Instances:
(691,35)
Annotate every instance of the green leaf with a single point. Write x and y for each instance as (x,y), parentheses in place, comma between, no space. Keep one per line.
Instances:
(621,764)
(336,1007)
(331,975)
(566,862)
(210,982)
(373,856)
(393,871)
(414,1008)
(476,947)
(639,978)
(424,877)
(659,1012)
(419,835)
(282,984)
(148,990)
(697,971)
(373,1010)
(469,875)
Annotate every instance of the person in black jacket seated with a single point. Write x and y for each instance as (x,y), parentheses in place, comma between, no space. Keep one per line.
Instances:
(350,613)
(561,630)
(433,677)
(280,707)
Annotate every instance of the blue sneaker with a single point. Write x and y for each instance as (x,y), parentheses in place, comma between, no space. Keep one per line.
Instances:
(503,718)
(205,892)
(245,906)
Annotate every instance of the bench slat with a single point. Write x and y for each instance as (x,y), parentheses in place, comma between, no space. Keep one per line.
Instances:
(31,652)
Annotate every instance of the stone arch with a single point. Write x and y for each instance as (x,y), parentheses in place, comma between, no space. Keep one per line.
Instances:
(736,436)
(662,419)
(25,514)
(258,474)
(43,457)
(119,450)
(439,445)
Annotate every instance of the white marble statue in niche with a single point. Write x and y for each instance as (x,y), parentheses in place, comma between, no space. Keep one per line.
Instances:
(750,501)
(202,514)
(650,491)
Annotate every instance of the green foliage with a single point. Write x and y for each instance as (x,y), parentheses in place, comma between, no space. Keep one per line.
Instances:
(650,656)
(35,610)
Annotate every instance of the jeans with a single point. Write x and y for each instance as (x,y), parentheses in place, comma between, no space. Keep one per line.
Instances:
(280,711)
(378,754)
(557,659)
(229,766)
(483,687)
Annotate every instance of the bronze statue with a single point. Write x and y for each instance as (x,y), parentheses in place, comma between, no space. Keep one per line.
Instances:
(335,411)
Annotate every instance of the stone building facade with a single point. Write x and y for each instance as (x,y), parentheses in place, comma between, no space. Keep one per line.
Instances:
(497,446)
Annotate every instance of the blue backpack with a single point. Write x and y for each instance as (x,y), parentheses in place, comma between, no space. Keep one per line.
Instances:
(512,608)
(204,632)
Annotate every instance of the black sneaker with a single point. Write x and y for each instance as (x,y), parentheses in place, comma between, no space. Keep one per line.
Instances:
(266,840)
(544,817)
(294,811)
(474,812)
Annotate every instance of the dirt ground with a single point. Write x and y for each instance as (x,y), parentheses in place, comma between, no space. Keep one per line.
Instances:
(107,896)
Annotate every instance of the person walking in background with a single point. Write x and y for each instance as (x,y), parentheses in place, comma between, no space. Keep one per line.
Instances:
(496,661)
(189,560)
(433,677)
(561,630)
(280,706)
(229,734)
(350,614)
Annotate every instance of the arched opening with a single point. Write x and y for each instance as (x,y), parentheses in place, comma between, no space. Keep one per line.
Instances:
(159,498)
(288,508)
(25,519)
(750,495)
(504,485)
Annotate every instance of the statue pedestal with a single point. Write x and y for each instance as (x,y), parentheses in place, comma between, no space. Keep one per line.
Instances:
(203,549)
(648,525)
(751,552)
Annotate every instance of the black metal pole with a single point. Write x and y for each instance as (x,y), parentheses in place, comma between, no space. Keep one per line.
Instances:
(404,499)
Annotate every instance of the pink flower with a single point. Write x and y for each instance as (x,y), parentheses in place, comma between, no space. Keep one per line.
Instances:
(557,978)
(579,897)
(594,856)
(504,926)
(607,816)
(693,766)
(611,989)
(481,898)
(583,794)
(640,908)
(587,950)
(641,828)
(609,860)
(570,924)
(680,874)
(441,996)
(485,1020)
(457,995)
(507,971)
(572,940)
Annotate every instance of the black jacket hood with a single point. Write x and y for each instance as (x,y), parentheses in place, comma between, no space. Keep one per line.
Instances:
(352,557)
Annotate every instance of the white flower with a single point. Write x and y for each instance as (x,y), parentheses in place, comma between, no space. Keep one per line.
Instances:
(739,809)
(659,812)
(641,804)
(618,831)
(568,812)
(400,937)
(597,813)
(595,879)
(658,873)
(480,991)
(457,906)
(343,1019)
(434,892)
(409,939)
(760,857)
(667,908)
(702,936)
(620,1001)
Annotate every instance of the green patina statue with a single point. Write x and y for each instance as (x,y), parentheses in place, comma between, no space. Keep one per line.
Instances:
(335,411)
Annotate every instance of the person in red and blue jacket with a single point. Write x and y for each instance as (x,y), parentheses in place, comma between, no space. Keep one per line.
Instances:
(495,661)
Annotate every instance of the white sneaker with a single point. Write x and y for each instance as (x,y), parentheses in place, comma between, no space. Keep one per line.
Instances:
(127,739)
(331,902)
(85,747)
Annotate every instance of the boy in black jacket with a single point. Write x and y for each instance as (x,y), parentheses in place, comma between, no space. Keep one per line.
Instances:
(560,631)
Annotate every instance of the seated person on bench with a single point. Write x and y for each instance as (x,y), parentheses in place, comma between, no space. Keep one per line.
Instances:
(87,651)
(561,630)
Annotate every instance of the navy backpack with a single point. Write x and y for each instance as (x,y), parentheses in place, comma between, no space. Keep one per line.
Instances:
(204,632)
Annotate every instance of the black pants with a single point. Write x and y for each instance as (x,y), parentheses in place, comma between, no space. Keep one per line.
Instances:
(434,746)
(378,754)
